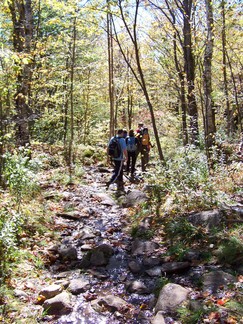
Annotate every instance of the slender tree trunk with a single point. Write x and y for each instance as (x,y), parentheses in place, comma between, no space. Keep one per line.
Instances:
(22,18)
(182,93)
(226,92)
(207,80)
(70,147)
(65,106)
(237,104)
(190,72)
(111,69)
(139,75)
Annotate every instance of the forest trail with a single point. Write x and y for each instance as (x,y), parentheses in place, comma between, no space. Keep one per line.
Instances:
(97,272)
(97,255)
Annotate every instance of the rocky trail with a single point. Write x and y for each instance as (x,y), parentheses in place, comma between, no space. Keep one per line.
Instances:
(98,273)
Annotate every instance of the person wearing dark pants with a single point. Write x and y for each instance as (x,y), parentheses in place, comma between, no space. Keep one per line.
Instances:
(117,175)
(132,146)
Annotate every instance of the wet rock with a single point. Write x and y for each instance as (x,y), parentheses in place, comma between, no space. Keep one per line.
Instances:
(86,247)
(58,305)
(173,267)
(100,255)
(111,303)
(134,266)
(68,253)
(20,294)
(98,258)
(78,286)
(216,279)
(154,272)
(87,234)
(151,261)
(192,256)
(209,219)
(140,247)
(134,198)
(137,287)
(99,274)
(170,297)
(70,215)
(158,319)
(106,199)
(66,195)
(51,291)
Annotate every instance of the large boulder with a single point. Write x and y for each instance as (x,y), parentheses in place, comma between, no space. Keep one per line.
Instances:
(170,297)
(215,280)
(209,219)
(58,305)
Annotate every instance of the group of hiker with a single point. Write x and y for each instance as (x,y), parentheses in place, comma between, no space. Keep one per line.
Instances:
(127,147)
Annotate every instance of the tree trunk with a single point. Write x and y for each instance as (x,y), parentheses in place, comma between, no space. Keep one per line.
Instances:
(21,12)
(207,80)
(226,92)
(139,75)
(70,147)
(111,69)
(190,71)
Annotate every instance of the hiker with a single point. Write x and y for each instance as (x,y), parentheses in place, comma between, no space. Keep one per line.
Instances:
(132,146)
(140,128)
(139,134)
(118,160)
(124,133)
(145,148)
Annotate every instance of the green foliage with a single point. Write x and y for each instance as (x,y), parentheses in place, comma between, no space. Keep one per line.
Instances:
(230,250)
(184,183)
(141,232)
(178,250)
(191,316)
(181,229)
(19,175)
(10,226)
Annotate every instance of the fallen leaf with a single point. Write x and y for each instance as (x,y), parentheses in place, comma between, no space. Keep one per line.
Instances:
(222,301)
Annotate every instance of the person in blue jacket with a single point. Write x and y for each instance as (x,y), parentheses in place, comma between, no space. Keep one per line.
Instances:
(117,175)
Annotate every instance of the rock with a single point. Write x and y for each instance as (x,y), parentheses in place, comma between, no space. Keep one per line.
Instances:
(70,215)
(134,198)
(20,294)
(137,287)
(87,234)
(78,286)
(170,297)
(216,279)
(101,254)
(58,305)
(151,261)
(98,258)
(68,253)
(158,319)
(172,267)
(111,303)
(154,272)
(106,199)
(140,247)
(134,267)
(208,219)
(51,291)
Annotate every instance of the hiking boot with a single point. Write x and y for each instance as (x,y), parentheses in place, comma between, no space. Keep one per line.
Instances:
(120,185)
(107,184)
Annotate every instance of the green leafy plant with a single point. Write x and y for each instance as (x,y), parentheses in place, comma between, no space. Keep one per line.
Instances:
(230,250)
(19,175)
(10,226)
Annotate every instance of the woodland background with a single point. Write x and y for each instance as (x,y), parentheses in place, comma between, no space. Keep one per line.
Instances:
(72,72)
